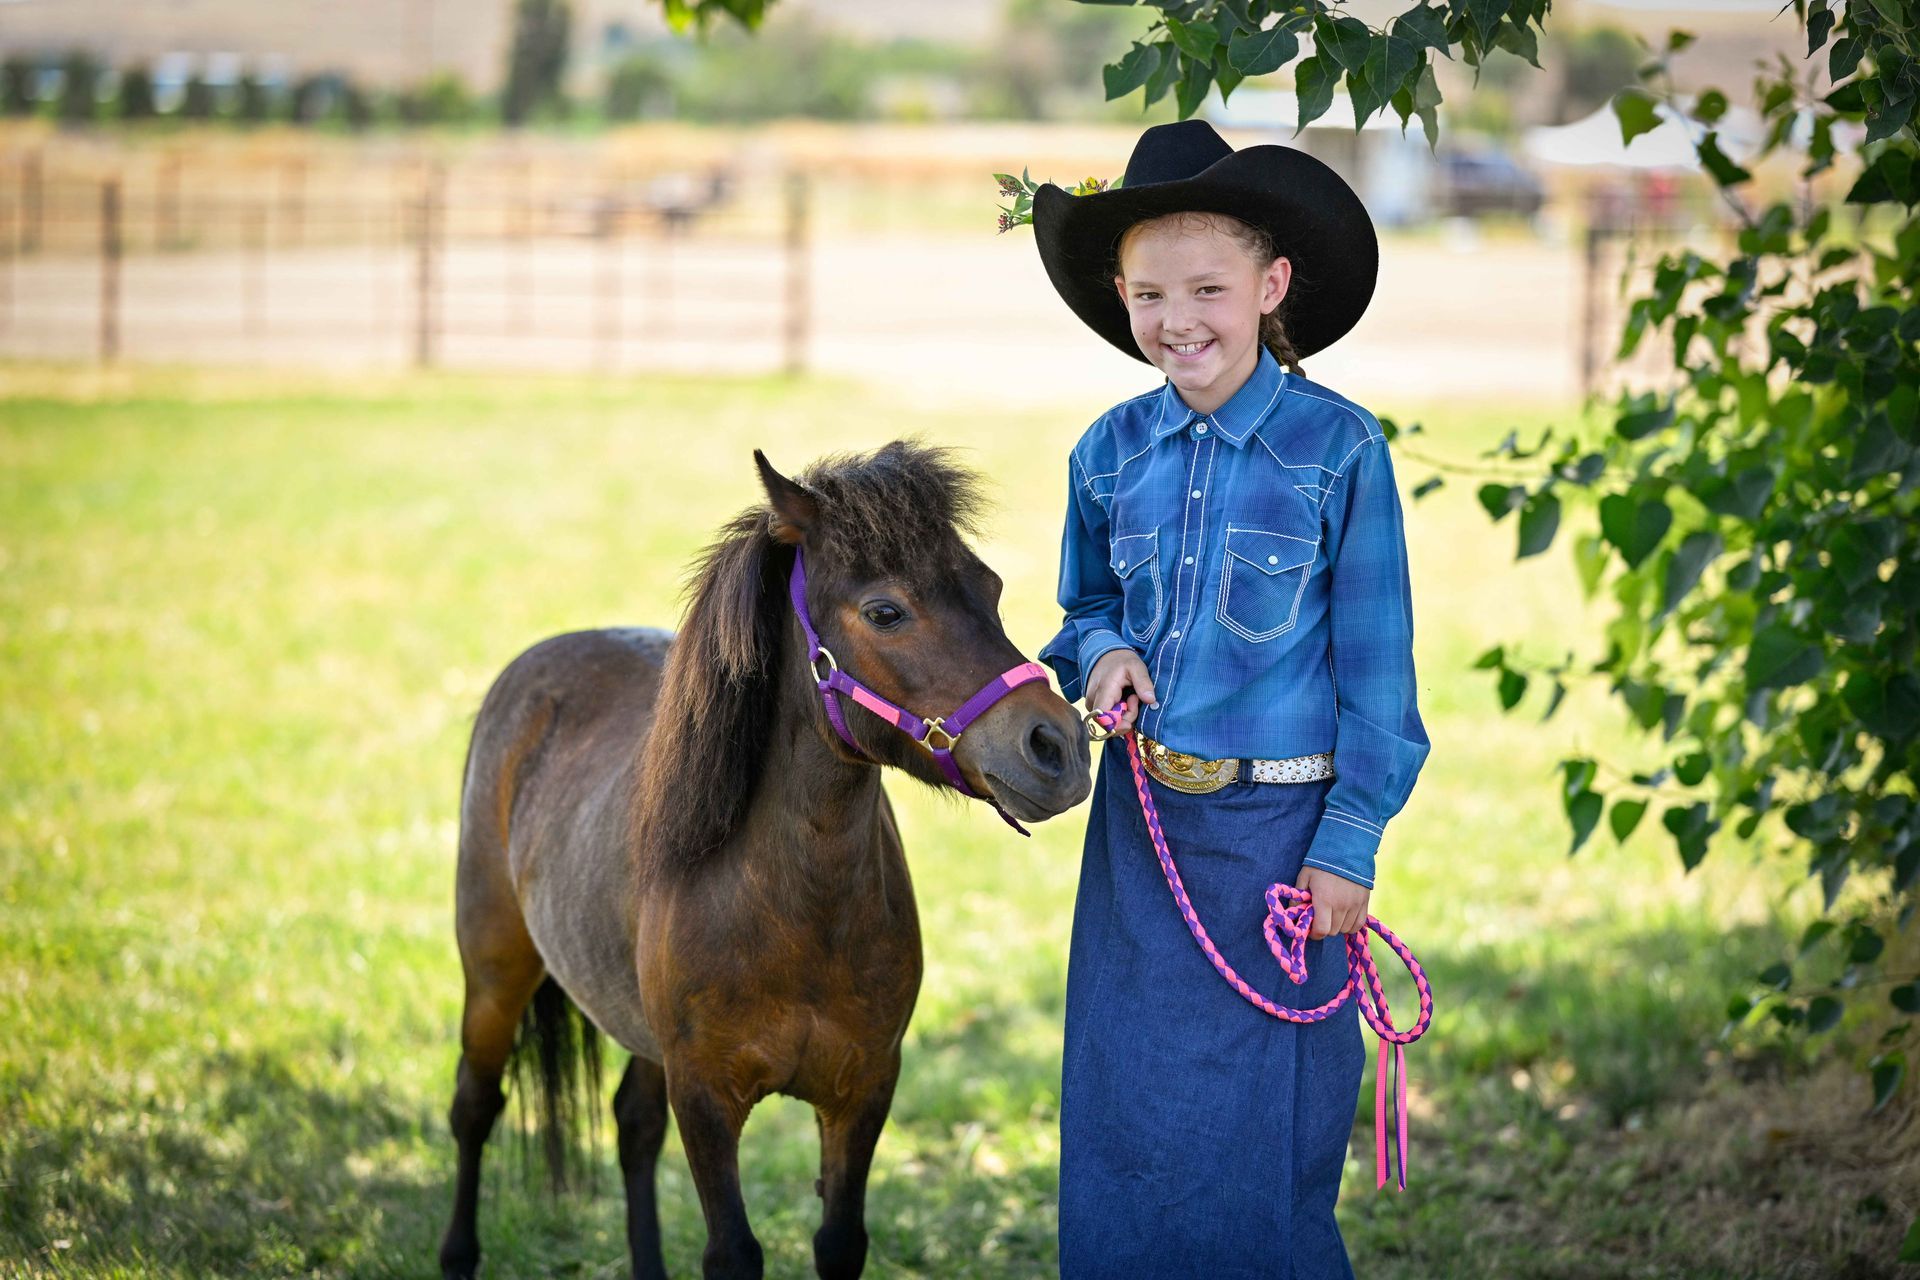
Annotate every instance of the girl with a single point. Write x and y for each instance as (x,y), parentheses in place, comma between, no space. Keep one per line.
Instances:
(1234,563)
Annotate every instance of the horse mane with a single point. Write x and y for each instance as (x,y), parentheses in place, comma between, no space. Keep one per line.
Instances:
(903,506)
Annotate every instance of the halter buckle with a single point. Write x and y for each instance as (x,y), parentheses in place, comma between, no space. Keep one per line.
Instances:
(936,725)
(1097,732)
(825,654)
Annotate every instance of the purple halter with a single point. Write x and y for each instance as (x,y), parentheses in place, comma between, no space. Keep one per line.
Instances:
(919,728)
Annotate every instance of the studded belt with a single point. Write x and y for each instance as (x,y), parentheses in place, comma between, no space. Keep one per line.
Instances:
(1195,776)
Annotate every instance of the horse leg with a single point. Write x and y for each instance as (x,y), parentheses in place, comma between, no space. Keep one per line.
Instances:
(640,1108)
(503,970)
(710,1131)
(848,1135)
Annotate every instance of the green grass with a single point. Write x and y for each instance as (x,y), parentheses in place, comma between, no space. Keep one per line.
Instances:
(244,626)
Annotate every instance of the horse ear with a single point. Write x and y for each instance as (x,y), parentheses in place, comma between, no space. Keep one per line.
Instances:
(795,508)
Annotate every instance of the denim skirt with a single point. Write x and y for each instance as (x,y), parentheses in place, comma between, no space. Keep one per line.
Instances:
(1199,1136)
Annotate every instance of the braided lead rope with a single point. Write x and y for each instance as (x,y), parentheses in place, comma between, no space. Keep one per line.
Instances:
(1287,929)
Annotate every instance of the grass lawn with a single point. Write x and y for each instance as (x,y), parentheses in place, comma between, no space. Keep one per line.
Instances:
(245,622)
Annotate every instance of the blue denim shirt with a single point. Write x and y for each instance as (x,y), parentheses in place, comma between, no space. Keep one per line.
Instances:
(1255,557)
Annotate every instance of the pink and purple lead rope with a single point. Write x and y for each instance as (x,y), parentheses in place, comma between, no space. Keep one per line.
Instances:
(1286,928)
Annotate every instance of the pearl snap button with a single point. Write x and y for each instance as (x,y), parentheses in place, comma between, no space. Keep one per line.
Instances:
(1189,559)
(1196,493)
(1273,559)
(1202,428)
(1121,565)
(1175,634)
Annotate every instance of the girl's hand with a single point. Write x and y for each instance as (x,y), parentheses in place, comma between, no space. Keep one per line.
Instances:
(1339,905)
(1119,670)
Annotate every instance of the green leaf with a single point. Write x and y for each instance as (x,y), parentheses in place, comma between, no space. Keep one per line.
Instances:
(1635,529)
(1778,976)
(1819,26)
(1780,659)
(1843,58)
(1134,69)
(1887,1072)
(1313,86)
(1498,499)
(1823,1015)
(1583,811)
(1866,948)
(1193,88)
(1814,932)
(1678,40)
(1425,27)
(1625,816)
(1195,39)
(1695,553)
(1166,77)
(1518,40)
(1513,686)
(1390,62)
(1910,1247)
(1426,98)
(1691,768)
(1906,998)
(1577,775)
(1347,39)
(1724,171)
(1690,828)
(1709,106)
(1259,53)
(1539,521)
(1590,561)
(1634,109)
(1644,421)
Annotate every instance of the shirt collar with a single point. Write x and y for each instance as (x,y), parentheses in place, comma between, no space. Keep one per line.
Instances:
(1234,421)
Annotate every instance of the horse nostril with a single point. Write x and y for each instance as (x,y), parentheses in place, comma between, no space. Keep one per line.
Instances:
(1047,750)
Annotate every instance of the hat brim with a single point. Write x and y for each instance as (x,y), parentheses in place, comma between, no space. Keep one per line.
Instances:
(1316,220)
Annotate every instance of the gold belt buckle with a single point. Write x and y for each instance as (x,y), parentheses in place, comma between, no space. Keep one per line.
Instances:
(1187,773)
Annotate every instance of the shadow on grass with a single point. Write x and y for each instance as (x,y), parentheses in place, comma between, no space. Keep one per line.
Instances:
(1540,1054)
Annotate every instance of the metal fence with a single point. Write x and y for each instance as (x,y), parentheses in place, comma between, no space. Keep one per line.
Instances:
(428,263)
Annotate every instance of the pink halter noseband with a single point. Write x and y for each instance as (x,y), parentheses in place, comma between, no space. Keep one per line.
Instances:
(921,729)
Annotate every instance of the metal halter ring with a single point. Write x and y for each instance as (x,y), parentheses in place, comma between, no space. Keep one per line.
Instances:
(825,654)
(1097,732)
(934,726)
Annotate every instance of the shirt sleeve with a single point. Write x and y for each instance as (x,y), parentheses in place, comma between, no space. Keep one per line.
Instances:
(1089,592)
(1380,743)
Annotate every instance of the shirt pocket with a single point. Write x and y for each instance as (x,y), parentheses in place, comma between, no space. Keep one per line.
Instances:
(1136,562)
(1262,577)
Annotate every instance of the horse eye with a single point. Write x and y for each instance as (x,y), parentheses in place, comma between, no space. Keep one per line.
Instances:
(883,615)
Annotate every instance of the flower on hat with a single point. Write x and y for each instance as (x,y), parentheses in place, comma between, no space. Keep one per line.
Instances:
(1022,189)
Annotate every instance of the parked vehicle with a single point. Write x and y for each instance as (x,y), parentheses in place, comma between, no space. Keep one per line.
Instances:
(1472,184)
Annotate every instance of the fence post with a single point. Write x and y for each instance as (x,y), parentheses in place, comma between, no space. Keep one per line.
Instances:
(166,205)
(795,344)
(427,249)
(607,318)
(1590,299)
(32,202)
(7,232)
(109,270)
(293,202)
(254,273)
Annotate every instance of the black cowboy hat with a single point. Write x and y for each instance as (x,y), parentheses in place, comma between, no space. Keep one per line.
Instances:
(1315,219)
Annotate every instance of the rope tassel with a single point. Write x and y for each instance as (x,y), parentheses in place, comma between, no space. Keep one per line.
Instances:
(1288,925)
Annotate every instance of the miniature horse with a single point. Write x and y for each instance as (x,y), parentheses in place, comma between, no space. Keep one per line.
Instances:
(672,834)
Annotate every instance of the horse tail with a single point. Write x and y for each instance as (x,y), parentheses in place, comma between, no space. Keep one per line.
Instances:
(556,1070)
